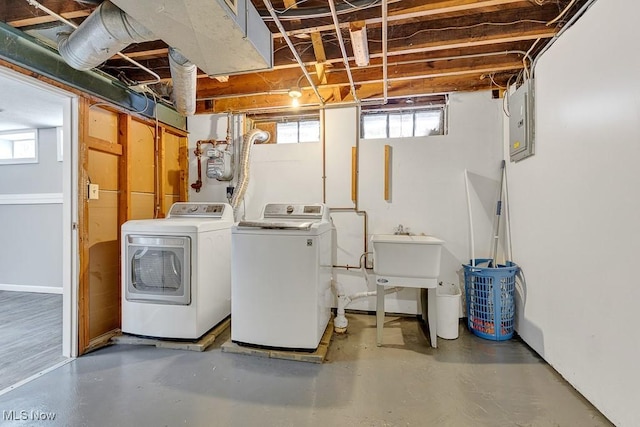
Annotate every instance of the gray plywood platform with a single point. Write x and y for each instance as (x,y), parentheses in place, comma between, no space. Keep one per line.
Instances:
(318,356)
(197,345)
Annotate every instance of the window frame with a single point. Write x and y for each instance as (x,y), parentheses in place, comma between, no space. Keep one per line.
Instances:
(26,160)
(400,110)
(270,122)
(297,122)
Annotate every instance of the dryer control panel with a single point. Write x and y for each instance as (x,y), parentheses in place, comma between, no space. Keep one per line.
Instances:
(187,209)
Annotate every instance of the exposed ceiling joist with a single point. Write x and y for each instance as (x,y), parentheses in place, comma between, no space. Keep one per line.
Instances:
(45,19)
(425,9)
(434,46)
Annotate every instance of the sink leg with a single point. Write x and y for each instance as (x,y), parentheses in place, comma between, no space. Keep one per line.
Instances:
(432,316)
(379,313)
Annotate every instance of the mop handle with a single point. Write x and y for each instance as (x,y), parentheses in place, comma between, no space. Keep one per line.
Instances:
(494,252)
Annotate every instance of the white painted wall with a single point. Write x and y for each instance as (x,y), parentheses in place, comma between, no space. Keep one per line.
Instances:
(428,193)
(31,221)
(575,205)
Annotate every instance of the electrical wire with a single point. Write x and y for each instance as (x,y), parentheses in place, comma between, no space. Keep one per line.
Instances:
(494,82)
(528,55)
(564,11)
(462,27)
(314,13)
(373,3)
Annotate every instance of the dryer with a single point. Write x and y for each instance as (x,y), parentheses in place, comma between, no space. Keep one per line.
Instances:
(176,271)
(281,277)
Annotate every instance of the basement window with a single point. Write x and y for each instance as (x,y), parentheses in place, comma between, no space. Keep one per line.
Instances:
(405,120)
(17,147)
(299,131)
(289,129)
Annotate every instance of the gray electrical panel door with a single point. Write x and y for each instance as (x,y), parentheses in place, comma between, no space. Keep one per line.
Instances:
(521,124)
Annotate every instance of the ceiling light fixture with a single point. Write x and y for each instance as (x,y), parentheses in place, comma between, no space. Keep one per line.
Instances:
(295,94)
(358,33)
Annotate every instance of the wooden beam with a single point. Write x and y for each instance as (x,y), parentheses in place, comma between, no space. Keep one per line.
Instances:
(354,174)
(160,171)
(103,145)
(45,19)
(124,176)
(321,57)
(124,187)
(477,43)
(183,161)
(250,85)
(387,173)
(145,53)
(83,229)
(367,91)
(429,8)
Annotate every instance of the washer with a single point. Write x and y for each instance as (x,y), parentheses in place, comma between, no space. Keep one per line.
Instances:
(176,272)
(281,277)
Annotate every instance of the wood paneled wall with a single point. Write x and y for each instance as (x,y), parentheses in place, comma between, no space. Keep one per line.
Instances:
(141,169)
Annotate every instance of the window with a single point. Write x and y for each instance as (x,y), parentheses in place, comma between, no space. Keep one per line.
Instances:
(403,123)
(19,147)
(298,131)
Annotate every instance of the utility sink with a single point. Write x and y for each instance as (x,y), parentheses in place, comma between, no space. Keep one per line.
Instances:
(406,255)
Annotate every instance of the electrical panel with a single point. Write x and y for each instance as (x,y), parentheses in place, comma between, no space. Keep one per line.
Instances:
(521,122)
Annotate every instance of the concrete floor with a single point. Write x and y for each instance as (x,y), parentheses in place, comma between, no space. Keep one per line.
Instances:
(465,382)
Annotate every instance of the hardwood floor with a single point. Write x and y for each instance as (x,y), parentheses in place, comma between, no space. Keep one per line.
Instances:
(30,334)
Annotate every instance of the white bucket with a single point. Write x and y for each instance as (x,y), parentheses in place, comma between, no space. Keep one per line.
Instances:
(448,310)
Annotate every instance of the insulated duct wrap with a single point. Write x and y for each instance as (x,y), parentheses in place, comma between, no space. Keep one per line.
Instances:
(184,76)
(243,179)
(104,33)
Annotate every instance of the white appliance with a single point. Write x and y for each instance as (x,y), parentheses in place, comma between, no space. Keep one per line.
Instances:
(281,277)
(176,272)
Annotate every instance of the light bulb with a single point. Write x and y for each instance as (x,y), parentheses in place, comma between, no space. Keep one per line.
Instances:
(295,103)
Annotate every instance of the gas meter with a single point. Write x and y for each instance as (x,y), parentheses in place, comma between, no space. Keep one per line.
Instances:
(220,164)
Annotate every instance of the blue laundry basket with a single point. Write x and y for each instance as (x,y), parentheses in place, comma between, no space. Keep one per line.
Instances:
(490,300)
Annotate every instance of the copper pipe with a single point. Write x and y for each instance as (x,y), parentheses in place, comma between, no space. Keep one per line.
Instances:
(198,152)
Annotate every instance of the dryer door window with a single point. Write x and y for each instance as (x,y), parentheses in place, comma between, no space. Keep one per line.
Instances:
(159,269)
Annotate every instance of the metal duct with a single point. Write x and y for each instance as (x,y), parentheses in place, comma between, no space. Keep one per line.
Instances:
(243,179)
(184,76)
(104,33)
(221,37)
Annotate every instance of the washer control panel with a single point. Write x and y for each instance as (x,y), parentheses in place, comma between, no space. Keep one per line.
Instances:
(187,209)
(285,210)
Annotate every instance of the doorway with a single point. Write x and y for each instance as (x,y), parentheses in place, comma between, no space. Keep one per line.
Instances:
(38,254)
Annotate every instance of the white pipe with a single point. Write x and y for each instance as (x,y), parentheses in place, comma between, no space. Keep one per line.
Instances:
(243,179)
(345,58)
(340,323)
(507,217)
(184,75)
(466,185)
(272,12)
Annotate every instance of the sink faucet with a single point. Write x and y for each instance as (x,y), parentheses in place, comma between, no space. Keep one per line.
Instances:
(400,230)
